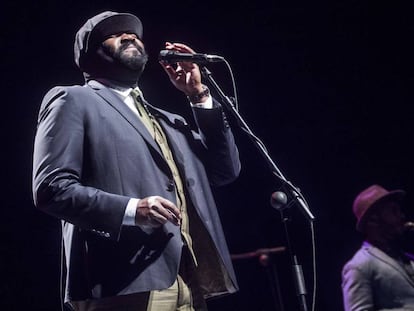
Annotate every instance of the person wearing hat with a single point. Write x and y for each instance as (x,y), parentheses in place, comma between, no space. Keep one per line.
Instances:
(380,276)
(131,183)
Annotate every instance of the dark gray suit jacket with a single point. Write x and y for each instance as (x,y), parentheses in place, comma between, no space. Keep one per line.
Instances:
(372,280)
(92,154)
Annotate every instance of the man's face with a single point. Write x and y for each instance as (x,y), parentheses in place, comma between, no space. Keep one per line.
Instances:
(390,219)
(127,49)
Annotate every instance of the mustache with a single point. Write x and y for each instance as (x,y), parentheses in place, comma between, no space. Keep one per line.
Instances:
(125,45)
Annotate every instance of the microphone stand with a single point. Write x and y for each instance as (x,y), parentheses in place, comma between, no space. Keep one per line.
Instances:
(266,260)
(294,194)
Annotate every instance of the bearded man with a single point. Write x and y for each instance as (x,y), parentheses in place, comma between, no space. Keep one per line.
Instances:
(131,182)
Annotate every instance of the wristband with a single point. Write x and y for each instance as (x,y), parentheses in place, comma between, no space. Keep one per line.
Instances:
(197,97)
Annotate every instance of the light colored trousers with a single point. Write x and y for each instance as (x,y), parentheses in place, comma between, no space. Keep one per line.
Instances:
(176,298)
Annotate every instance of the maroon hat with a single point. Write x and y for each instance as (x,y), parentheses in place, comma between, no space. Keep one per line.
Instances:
(371,197)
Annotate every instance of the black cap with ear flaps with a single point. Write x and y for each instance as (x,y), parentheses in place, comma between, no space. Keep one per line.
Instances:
(99,28)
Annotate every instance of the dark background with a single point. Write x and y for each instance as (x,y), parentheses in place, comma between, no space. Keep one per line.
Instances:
(326,85)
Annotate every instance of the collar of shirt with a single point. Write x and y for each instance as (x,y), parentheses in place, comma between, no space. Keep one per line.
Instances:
(124,92)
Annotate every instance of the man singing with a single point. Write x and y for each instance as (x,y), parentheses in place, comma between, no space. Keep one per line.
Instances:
(131,182)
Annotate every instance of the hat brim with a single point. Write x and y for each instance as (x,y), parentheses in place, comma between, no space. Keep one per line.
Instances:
(114,24)
(393,196)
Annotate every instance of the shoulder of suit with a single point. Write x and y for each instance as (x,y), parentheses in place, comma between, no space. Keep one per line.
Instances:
(361,257)
(67,96)
(67,92)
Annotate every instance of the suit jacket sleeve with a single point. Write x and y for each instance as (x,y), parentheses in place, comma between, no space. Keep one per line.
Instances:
(222,160)
(58,164)
(356,289)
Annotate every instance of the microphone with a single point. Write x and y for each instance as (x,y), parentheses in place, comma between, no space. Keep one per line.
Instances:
(172,57)
(278,200)
(409,226)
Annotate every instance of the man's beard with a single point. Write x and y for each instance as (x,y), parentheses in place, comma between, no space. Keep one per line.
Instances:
(135,62)
(114,64)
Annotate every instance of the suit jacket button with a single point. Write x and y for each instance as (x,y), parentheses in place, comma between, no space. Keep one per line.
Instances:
(190,182)
(170,186)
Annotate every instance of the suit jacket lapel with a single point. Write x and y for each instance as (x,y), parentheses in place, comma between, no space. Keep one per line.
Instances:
(390,261)
(173,121)
(126,113)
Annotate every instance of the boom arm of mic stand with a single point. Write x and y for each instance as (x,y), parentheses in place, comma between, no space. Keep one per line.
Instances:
(228,103)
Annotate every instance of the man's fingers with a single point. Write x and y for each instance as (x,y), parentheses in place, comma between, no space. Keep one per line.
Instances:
(157,217)
(179,47)
(170,211)
(163,210)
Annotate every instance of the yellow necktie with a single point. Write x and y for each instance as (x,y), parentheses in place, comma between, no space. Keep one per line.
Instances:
(160,138)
